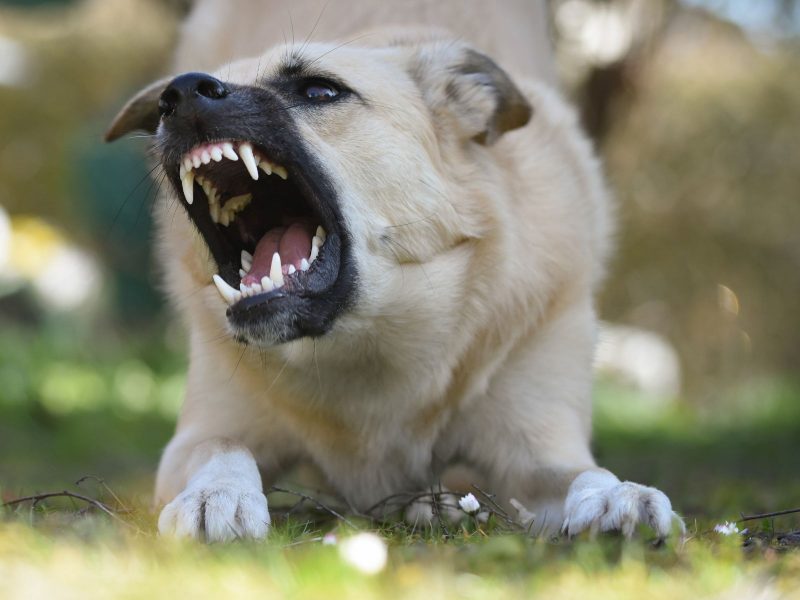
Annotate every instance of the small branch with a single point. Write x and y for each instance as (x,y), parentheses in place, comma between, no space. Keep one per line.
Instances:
(768,515)
(36,498)
(437,513)
(102,482)
(495,507)
(316,502)
(401,499)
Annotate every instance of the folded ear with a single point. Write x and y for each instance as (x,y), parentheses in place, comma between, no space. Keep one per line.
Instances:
(469,88)
(140,112)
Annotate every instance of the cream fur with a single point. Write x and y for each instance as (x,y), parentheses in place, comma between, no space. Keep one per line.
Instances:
(473,334)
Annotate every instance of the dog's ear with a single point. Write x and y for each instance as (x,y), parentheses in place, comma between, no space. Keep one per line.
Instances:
(140,113)
(473,90)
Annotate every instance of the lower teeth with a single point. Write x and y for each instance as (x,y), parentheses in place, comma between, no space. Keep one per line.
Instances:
(270,282)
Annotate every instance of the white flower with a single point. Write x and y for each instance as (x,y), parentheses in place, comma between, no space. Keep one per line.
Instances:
(727,528)
(469,504)
(364,551)
(329,539)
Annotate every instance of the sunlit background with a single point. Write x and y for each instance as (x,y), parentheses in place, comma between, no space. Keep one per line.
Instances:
(695,108)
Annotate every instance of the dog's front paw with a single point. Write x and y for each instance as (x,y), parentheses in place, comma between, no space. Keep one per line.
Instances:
(218,513)
(620,506)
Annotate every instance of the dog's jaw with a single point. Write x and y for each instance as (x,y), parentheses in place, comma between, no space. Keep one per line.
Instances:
(267,212)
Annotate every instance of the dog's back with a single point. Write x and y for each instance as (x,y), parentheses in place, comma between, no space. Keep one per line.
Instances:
(513,32)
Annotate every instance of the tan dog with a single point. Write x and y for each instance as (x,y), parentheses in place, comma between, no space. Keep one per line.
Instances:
(404,246)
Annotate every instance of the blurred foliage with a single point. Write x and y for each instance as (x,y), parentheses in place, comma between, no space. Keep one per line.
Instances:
(697,122)
(77,400)
(704,164)
(79,63)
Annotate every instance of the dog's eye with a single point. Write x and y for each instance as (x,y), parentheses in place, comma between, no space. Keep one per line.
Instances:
(319,91)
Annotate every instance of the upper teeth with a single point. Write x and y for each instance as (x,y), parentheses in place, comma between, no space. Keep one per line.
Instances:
(222,211)
(276,278)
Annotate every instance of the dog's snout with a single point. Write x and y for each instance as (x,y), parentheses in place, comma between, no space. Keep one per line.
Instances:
(188,89)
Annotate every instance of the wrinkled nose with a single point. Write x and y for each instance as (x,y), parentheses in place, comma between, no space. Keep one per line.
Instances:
(190,90)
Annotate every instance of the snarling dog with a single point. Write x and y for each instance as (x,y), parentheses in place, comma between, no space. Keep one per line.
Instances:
(386,256)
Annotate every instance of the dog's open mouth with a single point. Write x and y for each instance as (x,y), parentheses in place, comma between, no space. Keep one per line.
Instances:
(267,235)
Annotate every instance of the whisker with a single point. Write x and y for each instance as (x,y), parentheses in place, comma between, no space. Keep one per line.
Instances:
(324,54)
(307,41)
(127,198)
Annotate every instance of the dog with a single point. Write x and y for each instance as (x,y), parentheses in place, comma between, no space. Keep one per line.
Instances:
(386,254)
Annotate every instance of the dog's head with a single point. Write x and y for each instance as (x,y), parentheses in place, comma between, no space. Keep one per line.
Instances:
(314,173)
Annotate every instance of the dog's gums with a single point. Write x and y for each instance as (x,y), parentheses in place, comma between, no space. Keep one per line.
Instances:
(272,258)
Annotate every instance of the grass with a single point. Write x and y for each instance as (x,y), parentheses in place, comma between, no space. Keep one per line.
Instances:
(71,407)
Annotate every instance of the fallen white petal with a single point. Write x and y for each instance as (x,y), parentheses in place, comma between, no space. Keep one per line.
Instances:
(364,551)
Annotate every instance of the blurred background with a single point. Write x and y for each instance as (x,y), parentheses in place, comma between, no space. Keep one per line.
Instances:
(694,106)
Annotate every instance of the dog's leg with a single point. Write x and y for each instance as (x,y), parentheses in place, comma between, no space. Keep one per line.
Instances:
(530,436)
(221,498)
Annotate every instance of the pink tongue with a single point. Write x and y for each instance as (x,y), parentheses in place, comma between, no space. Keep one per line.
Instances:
(292,242)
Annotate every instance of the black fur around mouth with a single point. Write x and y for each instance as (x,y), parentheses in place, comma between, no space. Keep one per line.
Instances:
(253,193)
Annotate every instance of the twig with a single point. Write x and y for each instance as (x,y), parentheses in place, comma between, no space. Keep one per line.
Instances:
(768,515)
(496,508)
(36,498)
(437,513)
(318,504)
(102,482)
(301,542)
(407,498)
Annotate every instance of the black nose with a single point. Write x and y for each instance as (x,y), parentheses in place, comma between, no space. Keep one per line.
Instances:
(188,89)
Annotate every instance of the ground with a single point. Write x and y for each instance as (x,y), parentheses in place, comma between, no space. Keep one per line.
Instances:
(72,407)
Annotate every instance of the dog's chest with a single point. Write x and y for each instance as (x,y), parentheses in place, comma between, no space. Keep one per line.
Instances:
(366,454)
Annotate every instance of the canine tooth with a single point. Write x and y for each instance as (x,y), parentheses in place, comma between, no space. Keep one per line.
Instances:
(266,284)
(314,254)
(280,171)
(265,166)
(246,152)
(216,153)
(321,234)
(316,241)
(228,151)
(242,273)
(292,270)
(196,161)
(205,157)
(187,181)
(304,265)
(275,272)
(228,294)
(207,186)
(247,260)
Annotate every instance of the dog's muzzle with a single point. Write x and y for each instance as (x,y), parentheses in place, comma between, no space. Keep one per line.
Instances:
(262,203)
